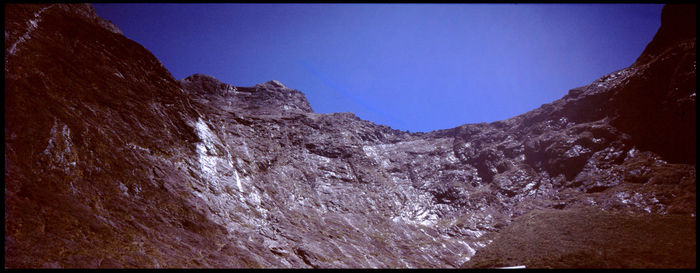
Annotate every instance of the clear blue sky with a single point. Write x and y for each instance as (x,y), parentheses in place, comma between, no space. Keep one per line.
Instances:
(416,67)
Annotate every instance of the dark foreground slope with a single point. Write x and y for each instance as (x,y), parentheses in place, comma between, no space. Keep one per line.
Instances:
(93,127)
(592,238)
(110,162)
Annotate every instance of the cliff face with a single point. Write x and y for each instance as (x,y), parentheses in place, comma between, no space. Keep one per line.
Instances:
(110,162)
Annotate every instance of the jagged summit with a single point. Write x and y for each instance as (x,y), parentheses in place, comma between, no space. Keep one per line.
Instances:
(18,29)
(87,11)
(205,84)
(201,77)
(271,97)
(273,84)
(677,26)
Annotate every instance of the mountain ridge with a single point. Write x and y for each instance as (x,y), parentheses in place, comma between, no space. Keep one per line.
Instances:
(111,162)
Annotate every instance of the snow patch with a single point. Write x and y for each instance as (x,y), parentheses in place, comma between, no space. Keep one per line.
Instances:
(470,250)
(59,147)
(474,233)
(369,151)
(529,186)
(206,149)
(245,149)
(576,151)
(31,26)
(238,181)
(451,157)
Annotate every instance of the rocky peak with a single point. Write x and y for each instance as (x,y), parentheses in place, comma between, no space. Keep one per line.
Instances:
(677,26)
(205,84)
(278,95)
(88,12)
(664,80)
(271,97)
(273,84)
(25,18)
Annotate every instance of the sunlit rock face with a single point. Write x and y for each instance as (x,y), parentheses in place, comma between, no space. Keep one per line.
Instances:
(110,162)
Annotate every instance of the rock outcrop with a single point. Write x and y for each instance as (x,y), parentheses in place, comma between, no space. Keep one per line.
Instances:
(111,162)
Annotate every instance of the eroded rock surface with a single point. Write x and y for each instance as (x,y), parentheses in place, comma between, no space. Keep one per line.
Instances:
(110,162)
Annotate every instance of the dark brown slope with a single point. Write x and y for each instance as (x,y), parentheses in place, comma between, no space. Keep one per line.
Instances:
(668,87)
(591,238)
(90,130)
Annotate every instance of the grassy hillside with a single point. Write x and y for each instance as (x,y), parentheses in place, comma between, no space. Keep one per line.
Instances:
(592,238)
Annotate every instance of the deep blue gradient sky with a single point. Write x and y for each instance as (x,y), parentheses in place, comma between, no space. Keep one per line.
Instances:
(416,67)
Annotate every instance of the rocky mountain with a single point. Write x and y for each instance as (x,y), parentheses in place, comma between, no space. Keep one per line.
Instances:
(111,162)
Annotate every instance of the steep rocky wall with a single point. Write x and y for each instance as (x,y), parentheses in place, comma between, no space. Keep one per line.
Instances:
(110,162)
(94,126)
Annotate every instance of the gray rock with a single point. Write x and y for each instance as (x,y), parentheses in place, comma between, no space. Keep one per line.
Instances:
(124,166)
